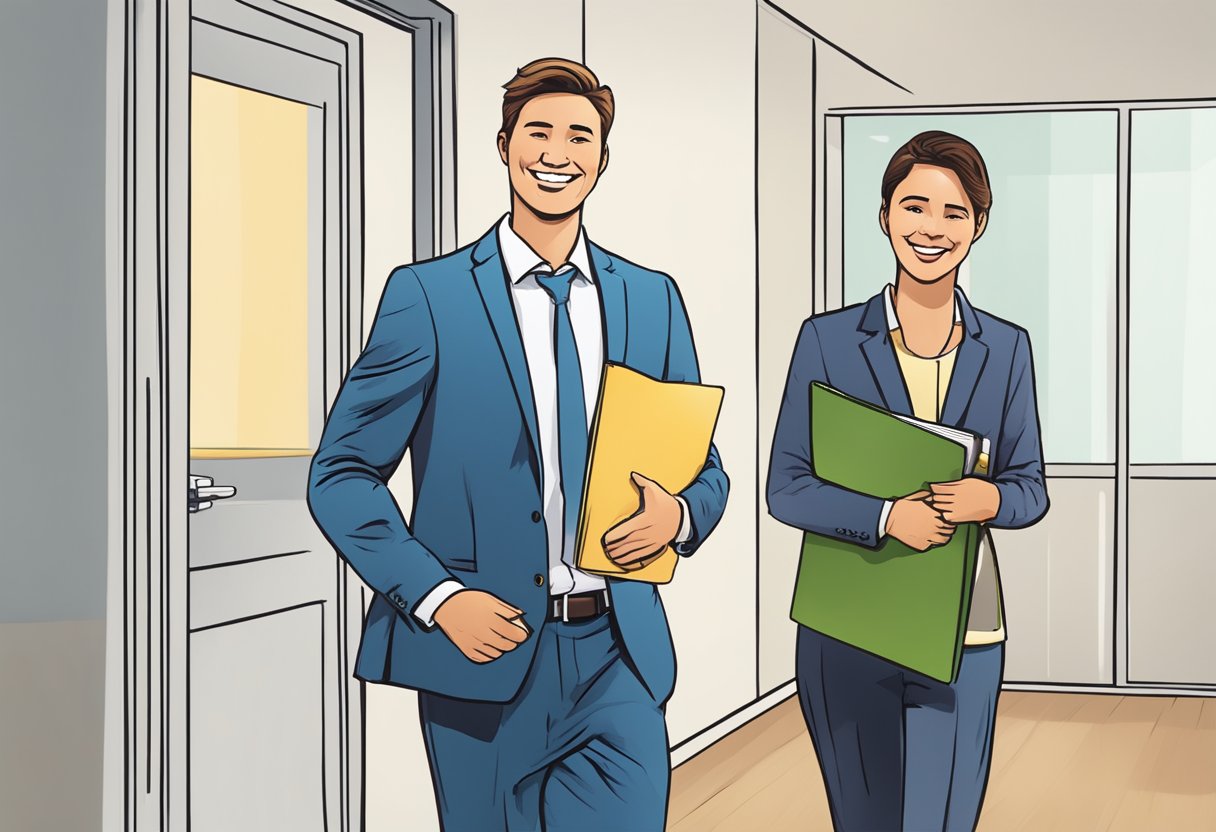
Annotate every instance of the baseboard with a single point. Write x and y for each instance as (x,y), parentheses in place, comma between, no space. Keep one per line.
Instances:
(703,739)
(1108,690)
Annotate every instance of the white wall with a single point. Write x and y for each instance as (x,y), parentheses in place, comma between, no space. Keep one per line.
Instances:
(486,58)
(1032,50)
(679,196)
(785,167)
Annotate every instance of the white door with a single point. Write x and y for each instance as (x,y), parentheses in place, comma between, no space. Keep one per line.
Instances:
(269,265)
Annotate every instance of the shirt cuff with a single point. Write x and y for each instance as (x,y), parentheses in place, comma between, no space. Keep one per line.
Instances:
(882,518)
(685,533)
(682,542)
(433,600)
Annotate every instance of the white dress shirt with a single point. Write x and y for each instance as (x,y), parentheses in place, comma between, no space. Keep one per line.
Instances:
(534,314)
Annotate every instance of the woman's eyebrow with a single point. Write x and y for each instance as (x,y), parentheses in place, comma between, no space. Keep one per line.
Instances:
(956,207)
(915,197)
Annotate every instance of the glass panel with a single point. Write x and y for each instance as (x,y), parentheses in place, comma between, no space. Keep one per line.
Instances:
(1173,287)
(1046,262)
(249,273)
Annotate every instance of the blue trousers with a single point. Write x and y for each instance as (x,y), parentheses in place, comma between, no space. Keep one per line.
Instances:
(583,747)
(898,750)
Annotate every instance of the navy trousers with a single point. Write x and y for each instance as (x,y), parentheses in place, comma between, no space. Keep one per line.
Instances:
(898,750)
(583,747)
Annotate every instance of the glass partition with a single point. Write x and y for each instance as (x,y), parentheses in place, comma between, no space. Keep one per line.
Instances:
(1172,383)
(1046,262)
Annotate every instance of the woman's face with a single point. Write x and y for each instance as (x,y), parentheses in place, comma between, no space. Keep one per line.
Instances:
(931,223)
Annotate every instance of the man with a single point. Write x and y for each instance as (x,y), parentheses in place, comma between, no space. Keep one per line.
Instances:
(542,688)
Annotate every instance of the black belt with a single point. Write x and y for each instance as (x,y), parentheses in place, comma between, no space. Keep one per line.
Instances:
(578,607)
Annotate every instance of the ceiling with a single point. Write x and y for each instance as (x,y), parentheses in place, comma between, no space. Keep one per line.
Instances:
(1028,51)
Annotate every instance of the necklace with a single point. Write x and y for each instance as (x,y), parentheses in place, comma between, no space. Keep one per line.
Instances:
(940,353)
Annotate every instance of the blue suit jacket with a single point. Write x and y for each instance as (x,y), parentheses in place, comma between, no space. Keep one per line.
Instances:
(991,393)
(444,375)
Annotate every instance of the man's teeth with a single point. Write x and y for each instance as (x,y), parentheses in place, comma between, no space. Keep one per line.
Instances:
(555,178)
(928,251)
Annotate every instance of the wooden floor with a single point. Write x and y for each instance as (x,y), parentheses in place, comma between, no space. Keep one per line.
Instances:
(1068,762)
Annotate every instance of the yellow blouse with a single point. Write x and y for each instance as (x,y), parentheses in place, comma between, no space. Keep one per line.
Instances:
(927,380)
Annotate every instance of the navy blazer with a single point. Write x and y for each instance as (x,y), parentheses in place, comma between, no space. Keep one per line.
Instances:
(444,375)
(991,393)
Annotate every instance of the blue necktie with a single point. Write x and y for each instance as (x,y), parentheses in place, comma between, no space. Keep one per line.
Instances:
(571,404)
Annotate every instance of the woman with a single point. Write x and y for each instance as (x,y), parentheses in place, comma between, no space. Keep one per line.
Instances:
(899,750)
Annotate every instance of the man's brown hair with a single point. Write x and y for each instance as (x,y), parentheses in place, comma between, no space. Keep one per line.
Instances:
(943,150)
(555,75)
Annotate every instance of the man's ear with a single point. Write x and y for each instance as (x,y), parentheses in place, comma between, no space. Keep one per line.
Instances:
(603,160)
(981,225)
(882,220)
(502,146)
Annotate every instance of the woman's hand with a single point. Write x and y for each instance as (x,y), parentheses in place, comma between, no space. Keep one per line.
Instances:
(969,500)
(916,523)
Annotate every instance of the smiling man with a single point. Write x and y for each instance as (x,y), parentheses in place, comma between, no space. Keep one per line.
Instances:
(542,687)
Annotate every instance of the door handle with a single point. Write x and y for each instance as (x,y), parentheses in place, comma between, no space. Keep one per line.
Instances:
(203,491)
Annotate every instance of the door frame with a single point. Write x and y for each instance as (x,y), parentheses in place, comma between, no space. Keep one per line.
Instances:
(147,196)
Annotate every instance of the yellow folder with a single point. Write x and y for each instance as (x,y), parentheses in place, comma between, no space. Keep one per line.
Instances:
(660,429)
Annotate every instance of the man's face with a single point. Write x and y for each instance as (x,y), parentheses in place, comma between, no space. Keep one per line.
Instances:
(931,223)
(555,154)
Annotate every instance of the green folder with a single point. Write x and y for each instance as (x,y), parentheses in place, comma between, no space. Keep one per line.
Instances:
(906,606)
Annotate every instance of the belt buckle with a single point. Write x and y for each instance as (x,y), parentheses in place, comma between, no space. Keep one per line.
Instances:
(566,608)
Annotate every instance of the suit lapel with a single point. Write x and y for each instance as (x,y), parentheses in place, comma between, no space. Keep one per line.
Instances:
(880,356)
(491,282)
(612,300)
(972,356)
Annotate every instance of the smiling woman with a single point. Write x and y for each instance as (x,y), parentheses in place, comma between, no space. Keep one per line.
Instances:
(900,750)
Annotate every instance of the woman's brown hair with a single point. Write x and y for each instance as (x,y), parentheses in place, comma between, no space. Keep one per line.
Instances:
(943,150)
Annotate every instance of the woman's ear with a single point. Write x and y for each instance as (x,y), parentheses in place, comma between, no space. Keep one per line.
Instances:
(502,146)
(981,223)
(603,160)
(882,220)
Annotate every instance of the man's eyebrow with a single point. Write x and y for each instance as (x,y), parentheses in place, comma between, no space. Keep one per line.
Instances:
(956,207)
(544,124)
(582,128)
(915,197)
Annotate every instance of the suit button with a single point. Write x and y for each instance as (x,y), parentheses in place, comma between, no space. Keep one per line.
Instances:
(536,517)
(538,579)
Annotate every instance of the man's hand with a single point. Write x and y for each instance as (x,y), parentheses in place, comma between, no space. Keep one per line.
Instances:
(918,524)
(480,625)
(633,543)
(969,500)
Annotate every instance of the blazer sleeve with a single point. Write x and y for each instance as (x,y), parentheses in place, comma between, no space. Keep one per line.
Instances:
(796,496)
(1019,454)
(372,423)
(706,497)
